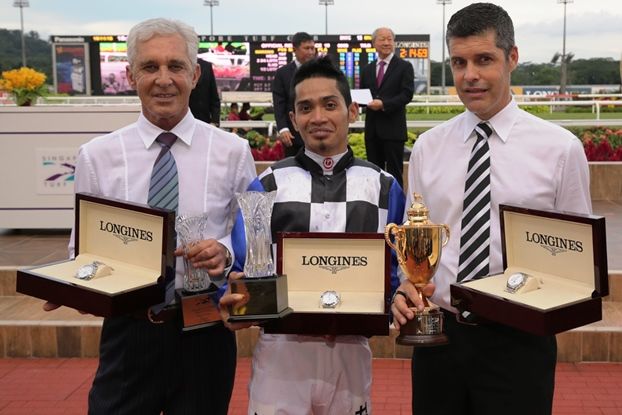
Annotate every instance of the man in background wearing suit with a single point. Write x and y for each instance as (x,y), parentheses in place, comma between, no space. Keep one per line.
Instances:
(391,81)
(304,50)
(204,99)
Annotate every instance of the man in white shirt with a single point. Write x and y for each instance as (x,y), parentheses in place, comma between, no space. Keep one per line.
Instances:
(147,365)
(487,368)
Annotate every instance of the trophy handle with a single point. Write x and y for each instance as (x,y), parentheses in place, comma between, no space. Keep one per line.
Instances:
(387,235)
(446,234)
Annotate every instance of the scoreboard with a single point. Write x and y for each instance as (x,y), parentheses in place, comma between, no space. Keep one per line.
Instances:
(247,62)
(350,52)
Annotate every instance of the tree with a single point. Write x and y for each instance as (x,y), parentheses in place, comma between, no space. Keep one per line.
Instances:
(38,52)
(564,62)
(594,71)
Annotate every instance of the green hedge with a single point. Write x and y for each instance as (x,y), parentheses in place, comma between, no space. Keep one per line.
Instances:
(357,142)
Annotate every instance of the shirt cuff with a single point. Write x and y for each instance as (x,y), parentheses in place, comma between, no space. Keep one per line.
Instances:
(226,242)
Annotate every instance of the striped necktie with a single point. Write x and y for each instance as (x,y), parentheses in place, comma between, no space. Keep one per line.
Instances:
(164,193)
(164,188)
(475,236)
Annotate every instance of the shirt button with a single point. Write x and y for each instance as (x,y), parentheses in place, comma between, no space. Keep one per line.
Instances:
(327,216)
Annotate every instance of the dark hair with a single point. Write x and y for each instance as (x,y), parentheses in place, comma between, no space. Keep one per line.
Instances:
(478,18)
(321,67)
(301,37)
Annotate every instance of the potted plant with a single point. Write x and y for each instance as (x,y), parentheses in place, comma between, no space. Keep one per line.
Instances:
(26,85)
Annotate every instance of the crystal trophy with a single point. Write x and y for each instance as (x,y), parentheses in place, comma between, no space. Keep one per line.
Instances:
(198,295)
(265,292)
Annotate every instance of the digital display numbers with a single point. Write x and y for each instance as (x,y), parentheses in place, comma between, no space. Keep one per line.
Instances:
(266,58)
(418,53)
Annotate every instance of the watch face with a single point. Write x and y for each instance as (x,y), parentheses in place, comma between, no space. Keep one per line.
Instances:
(86,272)
(515,281)
(329,299)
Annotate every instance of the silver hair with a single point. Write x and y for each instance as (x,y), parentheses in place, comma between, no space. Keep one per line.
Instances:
(162,27)
(375,34)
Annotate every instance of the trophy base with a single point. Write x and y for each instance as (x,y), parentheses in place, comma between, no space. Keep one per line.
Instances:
(198,309)
(266,298)
(425,330)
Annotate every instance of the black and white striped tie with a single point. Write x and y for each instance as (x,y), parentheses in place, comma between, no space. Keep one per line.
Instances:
(475,235)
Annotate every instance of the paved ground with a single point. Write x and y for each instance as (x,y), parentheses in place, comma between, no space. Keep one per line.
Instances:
(60,386)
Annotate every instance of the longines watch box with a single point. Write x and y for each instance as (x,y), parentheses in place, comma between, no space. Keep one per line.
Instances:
(338,283)
(555,273)
(123,259)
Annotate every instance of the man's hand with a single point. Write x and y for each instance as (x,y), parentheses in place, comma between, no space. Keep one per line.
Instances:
(286,137)
(376,105)
(230,300)
(47,306)
(209,254)
(400,309)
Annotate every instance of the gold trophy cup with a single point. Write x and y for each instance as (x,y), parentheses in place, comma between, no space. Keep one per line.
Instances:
(418,245)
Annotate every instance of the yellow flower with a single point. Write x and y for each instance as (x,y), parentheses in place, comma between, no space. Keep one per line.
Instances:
(24,83)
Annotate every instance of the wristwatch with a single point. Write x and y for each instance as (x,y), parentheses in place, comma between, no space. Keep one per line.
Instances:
(90,270)
(228,258)
(330,299)
(516,281)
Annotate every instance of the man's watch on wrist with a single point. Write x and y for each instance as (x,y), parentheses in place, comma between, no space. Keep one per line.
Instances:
(399,292)
(228,258)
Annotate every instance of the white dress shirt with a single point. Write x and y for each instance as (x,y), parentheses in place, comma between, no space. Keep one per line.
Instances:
(534,164)
(212,165)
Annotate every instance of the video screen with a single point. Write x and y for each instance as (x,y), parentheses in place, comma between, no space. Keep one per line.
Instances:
(231,63)
(70,62)
(112,64)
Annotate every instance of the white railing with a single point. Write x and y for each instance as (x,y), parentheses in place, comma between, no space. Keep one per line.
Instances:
(263,99)
(595,104)
(90,100)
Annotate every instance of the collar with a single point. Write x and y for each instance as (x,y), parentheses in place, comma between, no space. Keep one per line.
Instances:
(148,132)
(386,60)
(327,163)
(310,165)
(501,123)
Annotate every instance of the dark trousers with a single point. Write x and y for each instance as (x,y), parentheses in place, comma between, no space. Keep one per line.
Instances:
(388,155)
(485,370)
(148,369)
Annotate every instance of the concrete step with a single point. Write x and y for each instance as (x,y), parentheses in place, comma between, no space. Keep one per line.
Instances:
(28,331)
